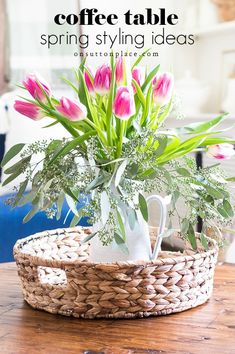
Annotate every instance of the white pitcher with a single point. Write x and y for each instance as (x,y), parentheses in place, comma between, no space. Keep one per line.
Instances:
(137,240)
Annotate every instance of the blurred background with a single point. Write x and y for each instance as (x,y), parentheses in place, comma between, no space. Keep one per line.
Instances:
(204,73)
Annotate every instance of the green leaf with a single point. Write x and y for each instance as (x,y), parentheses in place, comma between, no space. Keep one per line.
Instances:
(70,84)
(71,194)
(109,113)
(197,128)
(14,150)
(183,172)
(148,105)
(89,237)
(219,140)
(150,173)
(72,204)
(132,218)
(17,166)
(56,150)
(50,125)
(228,208)
(150,77)
(37,202)
(121,243)
(174,143)
(72,145)
(82,64)
(37,180)
(60,202)
(184,226)
(121,225)
(133,169)
(30,214)
(204,241)
(98,181)
(223,212)
(138,60)
(120,172)
(167,175)
(175,197)
(162,146)
(212,166)
(21,87)
(230,179)
(11,178)
(143,207)
(184,148)
(166,112)
(139,93)
(214,192)
(110,162)
(54,144)
(28,100)
(84,96)
(194,142)
(191,237)
(23,186)
(75,220)
(29,197)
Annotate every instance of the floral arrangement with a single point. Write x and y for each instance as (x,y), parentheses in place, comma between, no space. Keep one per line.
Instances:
(120,148)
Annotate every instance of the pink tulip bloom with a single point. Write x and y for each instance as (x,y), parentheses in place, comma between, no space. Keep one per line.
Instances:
(88,81)
(102,79)
(32,84)
(123,72)
(221,151)
(138,74)
(162,88)
(29,110)
(120,71)
(124,103)
(74,110)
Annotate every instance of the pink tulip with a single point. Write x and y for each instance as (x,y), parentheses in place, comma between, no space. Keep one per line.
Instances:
(221,151)
(74,110)
(123,72)
(124,103)
(162,88)
(102,79)
(35,87)
(88,81)
(138,74)
(29,110)
(120,71)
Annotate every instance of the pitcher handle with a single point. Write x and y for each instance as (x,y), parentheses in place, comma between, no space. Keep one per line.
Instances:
(163,208)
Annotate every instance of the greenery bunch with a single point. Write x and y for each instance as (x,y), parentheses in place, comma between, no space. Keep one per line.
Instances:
(108,161)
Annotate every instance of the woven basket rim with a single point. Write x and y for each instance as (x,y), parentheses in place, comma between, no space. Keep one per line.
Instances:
(39,261)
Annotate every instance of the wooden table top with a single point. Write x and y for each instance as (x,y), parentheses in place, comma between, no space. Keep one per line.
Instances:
(209,329)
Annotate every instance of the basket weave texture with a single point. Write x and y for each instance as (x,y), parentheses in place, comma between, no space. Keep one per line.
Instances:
(57,277)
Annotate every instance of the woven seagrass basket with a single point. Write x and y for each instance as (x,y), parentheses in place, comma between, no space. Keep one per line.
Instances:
(57,277)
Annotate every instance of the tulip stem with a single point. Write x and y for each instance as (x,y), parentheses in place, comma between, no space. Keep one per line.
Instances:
(99,132)
(71,130)
(154,122)
(122,132)
(63,122)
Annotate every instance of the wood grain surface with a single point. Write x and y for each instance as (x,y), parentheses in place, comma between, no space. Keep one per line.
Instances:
(208,329)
